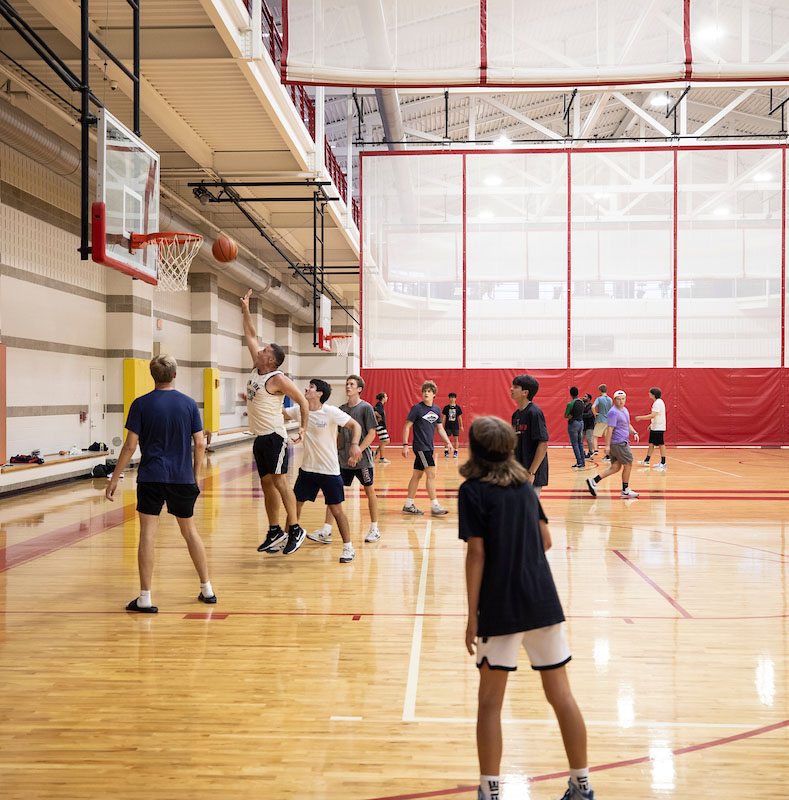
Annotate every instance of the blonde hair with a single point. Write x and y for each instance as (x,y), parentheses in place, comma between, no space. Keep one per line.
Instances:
(429,385)
(163,368)
(495,436)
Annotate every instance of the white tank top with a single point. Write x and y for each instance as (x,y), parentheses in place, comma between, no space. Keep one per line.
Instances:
(264,410)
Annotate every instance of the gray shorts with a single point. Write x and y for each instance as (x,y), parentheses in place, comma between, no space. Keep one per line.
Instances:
(620,451)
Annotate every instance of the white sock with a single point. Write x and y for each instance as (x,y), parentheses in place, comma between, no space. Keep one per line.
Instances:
(580,777)
(373,526)
(144,600)
(436,504)
(206,590)
(326,527)
(490,786)
(410,501)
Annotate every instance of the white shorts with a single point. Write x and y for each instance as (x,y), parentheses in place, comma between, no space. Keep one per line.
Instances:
(547,648)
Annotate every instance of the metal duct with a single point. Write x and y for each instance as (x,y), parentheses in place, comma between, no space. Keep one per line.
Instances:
(23,133)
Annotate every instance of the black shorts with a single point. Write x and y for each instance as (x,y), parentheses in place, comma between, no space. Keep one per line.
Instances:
(308,484)
(364,475)
(656,437)
(423,459)
(271,454)
(452,430)
(180,498)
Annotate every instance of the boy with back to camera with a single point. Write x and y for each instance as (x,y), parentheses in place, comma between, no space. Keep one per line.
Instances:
(425,418)
(164,422)
(512,600)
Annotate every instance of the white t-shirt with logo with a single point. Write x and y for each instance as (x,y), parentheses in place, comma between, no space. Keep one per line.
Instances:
(659,422)
(320,438)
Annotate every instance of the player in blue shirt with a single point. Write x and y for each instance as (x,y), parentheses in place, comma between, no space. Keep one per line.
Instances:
(425,418)
(164,423)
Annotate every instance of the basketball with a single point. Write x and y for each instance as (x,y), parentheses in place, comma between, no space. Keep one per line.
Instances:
(224,249)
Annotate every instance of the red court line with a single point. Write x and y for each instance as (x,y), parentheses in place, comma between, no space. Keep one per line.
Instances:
(653,584)
(602,767)
(22,552)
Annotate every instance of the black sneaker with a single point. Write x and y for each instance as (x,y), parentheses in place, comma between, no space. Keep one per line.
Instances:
(274,538)
(203,599)
(296,536)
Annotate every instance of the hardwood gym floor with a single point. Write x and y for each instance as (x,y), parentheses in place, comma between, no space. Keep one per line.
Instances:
(313,679)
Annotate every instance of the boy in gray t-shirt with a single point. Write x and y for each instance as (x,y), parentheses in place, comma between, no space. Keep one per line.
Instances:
(363,413)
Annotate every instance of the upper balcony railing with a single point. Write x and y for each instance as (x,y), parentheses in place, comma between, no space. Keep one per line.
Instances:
(304,104)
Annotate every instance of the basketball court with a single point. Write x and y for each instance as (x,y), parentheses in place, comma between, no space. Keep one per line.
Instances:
(589,193)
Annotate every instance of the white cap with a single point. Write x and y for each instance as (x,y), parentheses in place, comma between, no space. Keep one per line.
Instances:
(620,393)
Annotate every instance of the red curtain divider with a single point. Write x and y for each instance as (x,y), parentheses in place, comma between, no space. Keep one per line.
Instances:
(705,406)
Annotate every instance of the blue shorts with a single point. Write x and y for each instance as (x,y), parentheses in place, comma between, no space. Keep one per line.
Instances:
(364,475)
(308,484)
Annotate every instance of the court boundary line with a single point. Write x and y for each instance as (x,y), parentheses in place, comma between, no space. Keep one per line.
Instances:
(603,767)
(409,704)
(652,583)
(703,466)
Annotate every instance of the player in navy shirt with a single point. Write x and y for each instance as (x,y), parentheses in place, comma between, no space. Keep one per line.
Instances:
(164,423)
(512,600)
(425,418)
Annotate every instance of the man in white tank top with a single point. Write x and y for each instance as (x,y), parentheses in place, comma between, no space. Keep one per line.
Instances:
(267,386)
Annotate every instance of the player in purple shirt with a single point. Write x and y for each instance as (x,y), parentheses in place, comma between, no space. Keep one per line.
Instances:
(616,436)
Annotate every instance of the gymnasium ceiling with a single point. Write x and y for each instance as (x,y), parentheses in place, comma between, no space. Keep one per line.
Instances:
(213,112)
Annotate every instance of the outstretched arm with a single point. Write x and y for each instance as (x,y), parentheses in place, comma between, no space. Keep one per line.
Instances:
(250,334)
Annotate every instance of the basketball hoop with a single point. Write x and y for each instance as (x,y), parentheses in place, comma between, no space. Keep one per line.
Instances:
(340,343)
(176,253)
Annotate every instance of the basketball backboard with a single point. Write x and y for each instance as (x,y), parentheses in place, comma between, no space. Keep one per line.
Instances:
(127,200)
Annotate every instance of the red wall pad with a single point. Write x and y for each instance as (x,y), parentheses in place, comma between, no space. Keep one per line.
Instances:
(704,406)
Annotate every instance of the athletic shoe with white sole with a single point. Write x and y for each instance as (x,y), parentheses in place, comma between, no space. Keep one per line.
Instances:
(296,536)
(320,535)
(274,542)
(590,482)
(411,510)
(645,463)
(628,494)
(438,511)
(373,535)
(660,467)
(384,461)
(348,553)
(574,793)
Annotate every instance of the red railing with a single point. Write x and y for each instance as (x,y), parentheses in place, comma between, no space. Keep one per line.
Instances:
(335,171)
(355,211)
(272,41)
(304,104)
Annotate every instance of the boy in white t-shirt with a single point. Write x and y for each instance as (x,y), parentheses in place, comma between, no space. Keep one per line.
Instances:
(657,429)
(320,467)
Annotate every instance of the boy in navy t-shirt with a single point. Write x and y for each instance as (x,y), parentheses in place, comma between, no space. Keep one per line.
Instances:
(164,423)
(425,418)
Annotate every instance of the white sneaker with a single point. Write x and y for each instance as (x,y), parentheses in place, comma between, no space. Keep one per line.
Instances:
(438,511)
(348,553)
(628,493)
(660,467)
(373,536)
(320,535)
(645,463)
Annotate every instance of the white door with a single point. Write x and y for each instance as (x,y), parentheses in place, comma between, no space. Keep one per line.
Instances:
(96,427)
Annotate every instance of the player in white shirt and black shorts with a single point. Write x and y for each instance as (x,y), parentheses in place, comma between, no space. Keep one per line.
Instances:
(657,429)
(320,466)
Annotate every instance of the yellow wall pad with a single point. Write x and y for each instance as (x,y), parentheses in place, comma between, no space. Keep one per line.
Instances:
(211,399)
(137,381)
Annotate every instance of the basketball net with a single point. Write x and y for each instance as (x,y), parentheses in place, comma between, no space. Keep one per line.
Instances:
(340,344)
(176,254)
